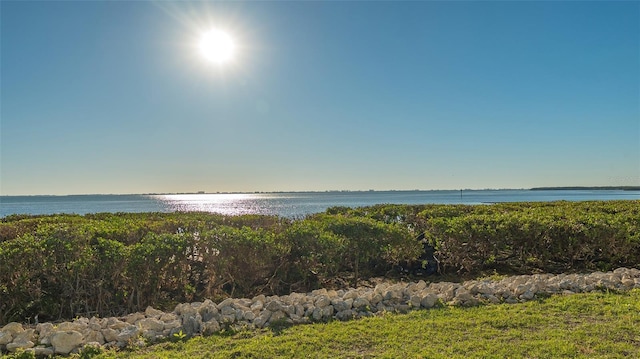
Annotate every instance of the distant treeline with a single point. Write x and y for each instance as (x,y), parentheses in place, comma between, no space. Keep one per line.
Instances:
(580,188)
(61,266)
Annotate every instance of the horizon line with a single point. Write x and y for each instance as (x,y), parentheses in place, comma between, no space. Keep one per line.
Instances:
(624,187)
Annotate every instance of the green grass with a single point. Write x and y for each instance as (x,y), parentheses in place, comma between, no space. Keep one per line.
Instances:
(580,326)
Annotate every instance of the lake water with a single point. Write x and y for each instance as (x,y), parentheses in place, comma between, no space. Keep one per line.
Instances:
(293,204)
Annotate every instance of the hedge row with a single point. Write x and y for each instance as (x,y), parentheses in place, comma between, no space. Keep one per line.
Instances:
(104,264)
(522,237)
(109,264)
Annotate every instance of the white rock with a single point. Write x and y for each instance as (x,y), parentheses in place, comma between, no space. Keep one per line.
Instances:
(133,318)
(240,313)
(345,315)
(172,324)
(521,289)
(480,287)
(192,324)
(210,327)
(262,298)
(110,335)
(289,309)
(28,335)
(273,306)
(351,294)
(393,295)
(19,344)
(226,303)
(309,311)
(415,301)
(501,291)
(228,310)
(197,306)
(360,303)
(208,310)
(169,317)
(13,328)
(71,326)
(628,283)
(376,298)
(262,319)
(322,301)
(65,342)
(127,334)
(150,324)
(317,314)
(43,351)
(151,312)
(101,322)
(116,324)
(340,305)
(381,288)
(249,315)
(464,298)
(491,298)
(277,316)
(447,295)
(257,306)
(185,309)
(93,336)
(319,292)
(528,295)
(429,300)
(5,338)
(327,312)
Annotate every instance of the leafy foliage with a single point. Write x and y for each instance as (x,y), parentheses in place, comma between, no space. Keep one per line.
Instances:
(61,266)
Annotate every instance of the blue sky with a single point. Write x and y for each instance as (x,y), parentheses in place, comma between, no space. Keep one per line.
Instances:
(113,97)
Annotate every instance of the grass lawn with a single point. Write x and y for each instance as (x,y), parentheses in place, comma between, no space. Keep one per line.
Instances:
(601,325)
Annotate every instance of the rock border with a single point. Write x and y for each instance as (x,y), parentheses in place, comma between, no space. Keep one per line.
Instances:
(205,318)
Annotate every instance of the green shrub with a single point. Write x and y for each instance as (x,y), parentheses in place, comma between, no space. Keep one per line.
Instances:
(62,266)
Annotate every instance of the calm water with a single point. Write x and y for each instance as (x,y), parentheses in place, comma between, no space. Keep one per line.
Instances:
(283,204)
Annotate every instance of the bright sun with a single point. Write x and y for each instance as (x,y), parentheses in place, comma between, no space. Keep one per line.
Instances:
(217,46)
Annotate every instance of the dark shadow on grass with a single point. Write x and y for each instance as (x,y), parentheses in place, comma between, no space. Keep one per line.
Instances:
(279,326)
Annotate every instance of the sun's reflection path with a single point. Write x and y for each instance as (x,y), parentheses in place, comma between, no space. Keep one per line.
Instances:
(224,203)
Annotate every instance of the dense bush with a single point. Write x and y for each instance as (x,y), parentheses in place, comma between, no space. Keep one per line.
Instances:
(60,266)
(523,237)
(539,237)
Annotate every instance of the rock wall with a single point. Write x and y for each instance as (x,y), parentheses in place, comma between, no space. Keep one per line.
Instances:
(204,318)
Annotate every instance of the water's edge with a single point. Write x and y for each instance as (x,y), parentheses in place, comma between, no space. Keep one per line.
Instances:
(287,204)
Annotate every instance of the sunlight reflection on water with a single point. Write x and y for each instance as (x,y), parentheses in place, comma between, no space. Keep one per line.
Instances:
(297,204)
(228,203)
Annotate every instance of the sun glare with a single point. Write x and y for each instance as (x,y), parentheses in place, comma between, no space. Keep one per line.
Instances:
(217,46)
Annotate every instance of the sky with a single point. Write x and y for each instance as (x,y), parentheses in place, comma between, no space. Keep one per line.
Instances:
(114,97)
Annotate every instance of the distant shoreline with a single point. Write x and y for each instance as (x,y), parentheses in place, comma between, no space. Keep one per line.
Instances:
(561,188)
(597,188)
